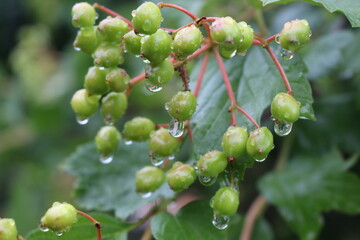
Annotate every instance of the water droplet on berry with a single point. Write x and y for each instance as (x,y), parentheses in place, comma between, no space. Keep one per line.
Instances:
(128,142)
(260,160)
(282,128)
(151,87)
(233,54)
(242,53)
(109,121)
(171,157)
(277,39)
(272,118)
(286,54)
(43,228)
(96,16)
(221,222)
(101,68)
(106,159)
(77,48)
(241,38)
(145,60)
(59,234)
(167,106)
(207,181)
(133,13)
(82,121)
(156,160)
(146,195)
(176,128)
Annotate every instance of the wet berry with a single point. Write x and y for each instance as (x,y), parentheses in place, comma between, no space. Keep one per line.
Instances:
(295,34)
(112,29)
(260,143)
(113,107)
(147,18)
(162,144)
(187,41)
(156,47)
(86,40)
(160,74)
(83,15)
(95,81)
(59,217)
(138,129)
(225,201)
(212,163)
(148,179)
(117,79)
(234,141)
(182,106)
(8,229)
(107,139)
(180,176)
(285,107)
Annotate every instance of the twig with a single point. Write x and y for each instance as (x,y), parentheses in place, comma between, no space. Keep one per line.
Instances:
(112,13)
(93,220)
(248,116)
(170,5)
(201,74)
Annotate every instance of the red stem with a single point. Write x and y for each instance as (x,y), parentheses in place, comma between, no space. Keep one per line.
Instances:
(281,70)
(201,74)
(112,13)
(272,38)
(133,82)
(93,220)
(187,12)
(257,42)
(227,85)
(165,125)
(248,116)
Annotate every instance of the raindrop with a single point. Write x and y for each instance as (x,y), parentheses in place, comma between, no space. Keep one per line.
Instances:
(282,128)
(207,181)
(221,222)
(96,16)
(59,234)
(260,160)
(146,195)
(172,157)
(82,121)
(43,228)
(146,61)
(106,159)
(128,142)
(286,54)
(151,87)
(233,54)
(77,48)
(272,118)
(277,39)
(167,106)
(176,128)
(241,38)
(101,68)
(156,160)
(137,56)
(133,13)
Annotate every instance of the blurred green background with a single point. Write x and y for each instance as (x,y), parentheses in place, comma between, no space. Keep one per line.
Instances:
(39,72)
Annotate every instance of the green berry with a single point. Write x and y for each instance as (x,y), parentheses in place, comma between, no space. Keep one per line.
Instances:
(180,176)
(8,229)
(84,105)
(212,163)
(59,217)
(148,179)
(187,41)
(108,55)
(225,30)
(113,106)
(83,15)
(160,74)
(86,40)
(260,143)
(294,34)
(182,106)
(285,107)
(132,43)
(225,201)
(147,18)
(226,52)
(138,129)
(247,37)
(107,139)
(162,144)
(234,141)
(117,79)
(156,47)
(95,81)
(112,29)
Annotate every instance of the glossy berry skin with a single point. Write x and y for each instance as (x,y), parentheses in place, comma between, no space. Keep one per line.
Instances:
(182,106)
(247,37)
(8,229)
(107,139)
(225,30)
(162,144)
(86,40)
(108,55)
(156,47)
(83,15)
(226,52)
(180,176)
(148,179)
(147,18)
(138,129)
(84,105)
(212,163)
(59,217)
(95,81)
(295,34)
(112,29)
(132,43)
(117,79)
(160,74)
(285,107)
(187,41)
(225,201)
(113,106)
(260,143)
(234,141)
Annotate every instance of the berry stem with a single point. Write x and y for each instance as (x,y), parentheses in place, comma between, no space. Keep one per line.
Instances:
(248,116)
(272,38)
(227,85)
(165,125)
(93,220)
(112,13)
(257,42)
(170,5)
(201,74)
(133,82)
(280,69)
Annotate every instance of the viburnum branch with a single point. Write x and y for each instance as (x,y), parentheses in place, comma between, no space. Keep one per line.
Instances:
(170,5)
(246,114)
(113,14)
(139,78)
(201,74)
(184,76)
(164,125)
(272,38)
(93,220)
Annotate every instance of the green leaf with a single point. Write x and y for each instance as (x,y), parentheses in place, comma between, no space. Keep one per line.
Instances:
(110,187)
(112,229)
(255,81)
(311,185)
(350,8)
(193,222)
